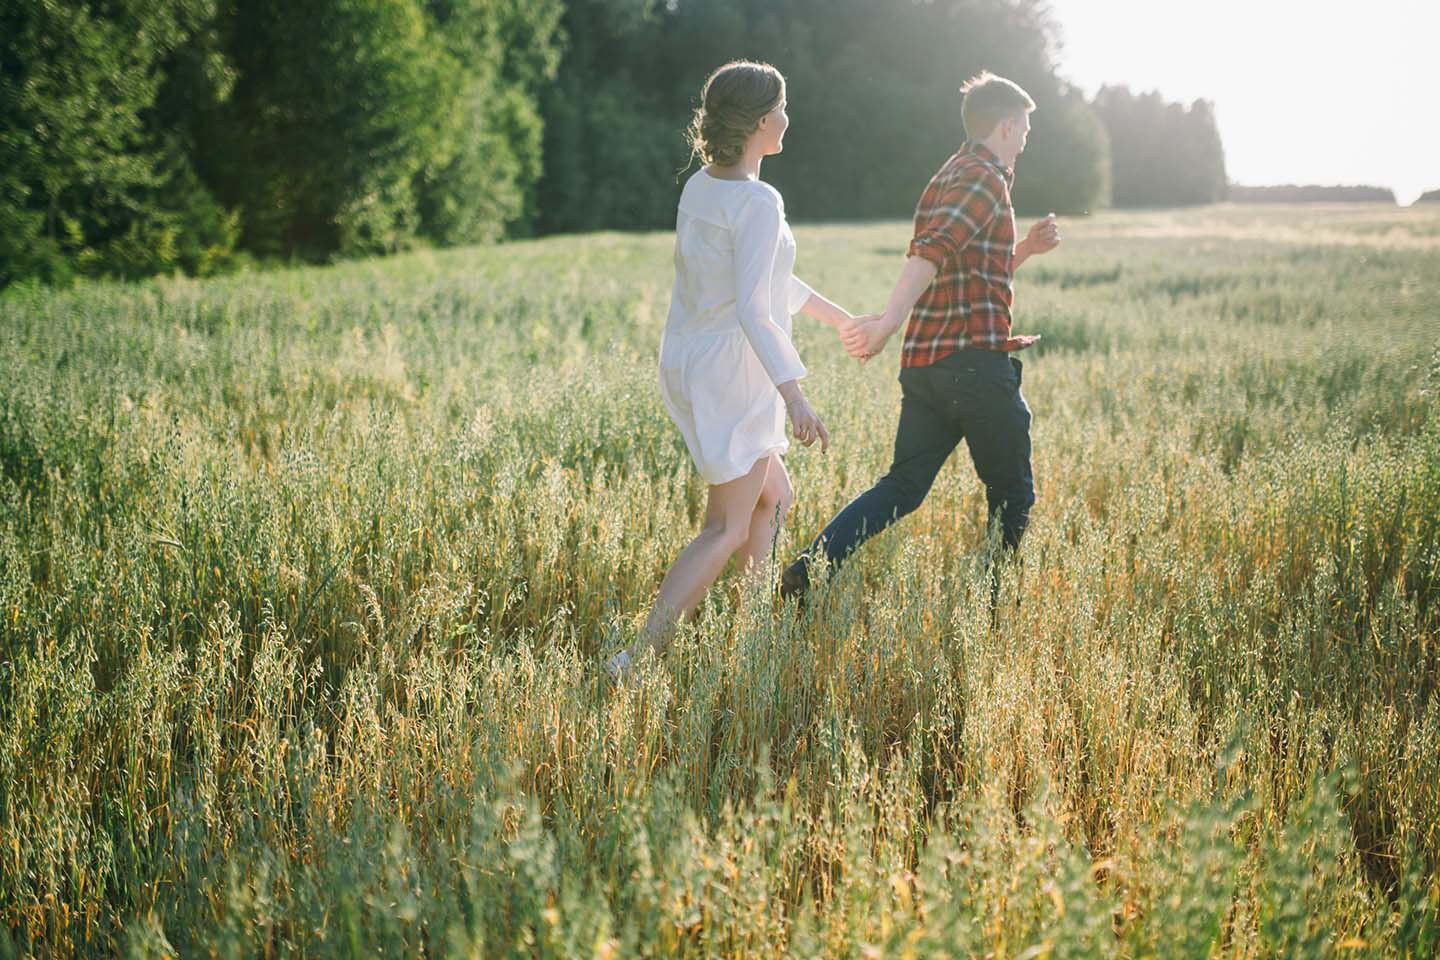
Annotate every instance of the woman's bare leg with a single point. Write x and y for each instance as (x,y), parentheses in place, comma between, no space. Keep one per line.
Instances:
(728,513)
(776,498)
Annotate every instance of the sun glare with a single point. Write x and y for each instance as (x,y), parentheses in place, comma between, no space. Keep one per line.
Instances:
(1303,92)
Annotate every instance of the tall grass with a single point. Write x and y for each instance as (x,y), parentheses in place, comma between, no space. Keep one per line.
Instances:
(305,576)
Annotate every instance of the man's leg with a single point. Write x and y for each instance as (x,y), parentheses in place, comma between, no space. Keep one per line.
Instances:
(998,433)
(923,441)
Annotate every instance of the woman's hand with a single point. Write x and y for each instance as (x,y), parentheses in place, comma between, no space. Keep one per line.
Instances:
(805,423)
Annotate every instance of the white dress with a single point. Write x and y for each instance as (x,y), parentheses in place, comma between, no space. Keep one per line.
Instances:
(727,343)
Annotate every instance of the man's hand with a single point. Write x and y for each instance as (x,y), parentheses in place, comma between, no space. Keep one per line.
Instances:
(1043,235)
(868,337)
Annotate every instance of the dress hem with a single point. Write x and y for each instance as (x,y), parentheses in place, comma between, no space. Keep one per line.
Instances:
(780,449)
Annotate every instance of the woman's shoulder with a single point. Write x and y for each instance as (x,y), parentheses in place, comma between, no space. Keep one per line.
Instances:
(729,202)
(759,189)
(734,189)
(757,196)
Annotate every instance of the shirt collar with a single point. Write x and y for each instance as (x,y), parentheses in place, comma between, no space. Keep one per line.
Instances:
(986,154)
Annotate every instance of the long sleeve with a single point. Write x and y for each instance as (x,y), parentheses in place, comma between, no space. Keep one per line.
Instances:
(797,291)
(757,230)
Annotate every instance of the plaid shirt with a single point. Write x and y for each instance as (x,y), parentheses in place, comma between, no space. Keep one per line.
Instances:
(964,224)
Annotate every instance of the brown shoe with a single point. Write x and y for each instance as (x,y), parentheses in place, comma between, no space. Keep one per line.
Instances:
(795,582)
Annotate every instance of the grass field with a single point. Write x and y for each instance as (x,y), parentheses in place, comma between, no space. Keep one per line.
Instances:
(305,578)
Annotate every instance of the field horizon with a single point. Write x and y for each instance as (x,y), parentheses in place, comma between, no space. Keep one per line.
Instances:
(306,577)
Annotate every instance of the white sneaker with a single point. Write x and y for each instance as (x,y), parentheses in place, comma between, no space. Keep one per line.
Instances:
(618,667)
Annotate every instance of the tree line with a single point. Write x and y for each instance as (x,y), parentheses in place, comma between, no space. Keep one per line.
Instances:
(1311,193)
(1162,154)
(139,137)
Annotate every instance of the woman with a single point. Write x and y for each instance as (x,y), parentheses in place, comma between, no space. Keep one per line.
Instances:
(729,374)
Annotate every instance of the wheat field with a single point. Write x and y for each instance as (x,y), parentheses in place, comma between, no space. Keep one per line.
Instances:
(306,577)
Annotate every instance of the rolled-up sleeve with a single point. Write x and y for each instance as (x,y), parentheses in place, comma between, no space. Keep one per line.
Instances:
(959,211)
(757,229)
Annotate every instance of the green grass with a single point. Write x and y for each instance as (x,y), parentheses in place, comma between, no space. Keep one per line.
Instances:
(305,578)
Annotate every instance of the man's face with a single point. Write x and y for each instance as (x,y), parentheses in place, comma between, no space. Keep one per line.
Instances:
(1014,130)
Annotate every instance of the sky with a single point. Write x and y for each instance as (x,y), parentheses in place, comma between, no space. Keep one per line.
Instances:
(1304,92)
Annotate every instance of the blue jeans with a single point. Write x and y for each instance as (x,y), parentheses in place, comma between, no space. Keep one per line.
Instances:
(972,395)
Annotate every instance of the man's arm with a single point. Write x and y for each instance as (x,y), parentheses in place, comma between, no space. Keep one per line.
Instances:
(915,278)
(869,337)
(948,221)
(952,214)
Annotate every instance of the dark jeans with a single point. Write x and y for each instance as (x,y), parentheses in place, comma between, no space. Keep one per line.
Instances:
(972,395)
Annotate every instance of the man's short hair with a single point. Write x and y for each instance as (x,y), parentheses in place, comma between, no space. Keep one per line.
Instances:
(988,100)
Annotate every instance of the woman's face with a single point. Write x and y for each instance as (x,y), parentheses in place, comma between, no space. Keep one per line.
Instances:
(772,129)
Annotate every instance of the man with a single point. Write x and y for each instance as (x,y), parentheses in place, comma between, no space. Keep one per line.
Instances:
(959,377)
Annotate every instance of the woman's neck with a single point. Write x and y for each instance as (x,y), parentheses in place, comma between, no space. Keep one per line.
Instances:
(746,168)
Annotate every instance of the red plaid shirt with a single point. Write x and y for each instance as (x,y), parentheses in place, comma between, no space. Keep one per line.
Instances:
(964,224)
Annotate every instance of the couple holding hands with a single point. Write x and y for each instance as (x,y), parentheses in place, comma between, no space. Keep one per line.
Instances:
(730,375)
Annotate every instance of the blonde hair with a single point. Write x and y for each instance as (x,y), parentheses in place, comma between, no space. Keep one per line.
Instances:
(732,102)
(988,100)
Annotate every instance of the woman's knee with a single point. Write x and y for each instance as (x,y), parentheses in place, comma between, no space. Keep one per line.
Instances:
(777,499)
(727,532)
(782,509)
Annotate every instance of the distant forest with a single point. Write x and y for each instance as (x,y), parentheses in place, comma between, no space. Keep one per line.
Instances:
(1311,193)
(194,135)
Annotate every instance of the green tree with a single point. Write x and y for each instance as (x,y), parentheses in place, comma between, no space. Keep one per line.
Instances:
(1163,154)
(480,179)
(1066,164)
(1202,172)
(90,181)
(363,126)
(335,107)
(613,120)
(873,92)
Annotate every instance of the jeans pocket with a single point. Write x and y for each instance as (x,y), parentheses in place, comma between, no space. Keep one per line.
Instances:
(1019,368)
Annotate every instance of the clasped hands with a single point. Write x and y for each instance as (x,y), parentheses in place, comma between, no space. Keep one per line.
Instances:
(865,336)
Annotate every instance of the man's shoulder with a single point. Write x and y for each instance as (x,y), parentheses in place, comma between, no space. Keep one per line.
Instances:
(962,178)
(967,169)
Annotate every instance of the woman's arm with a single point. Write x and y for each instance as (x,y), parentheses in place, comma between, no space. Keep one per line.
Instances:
(827,311)
(757,237)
